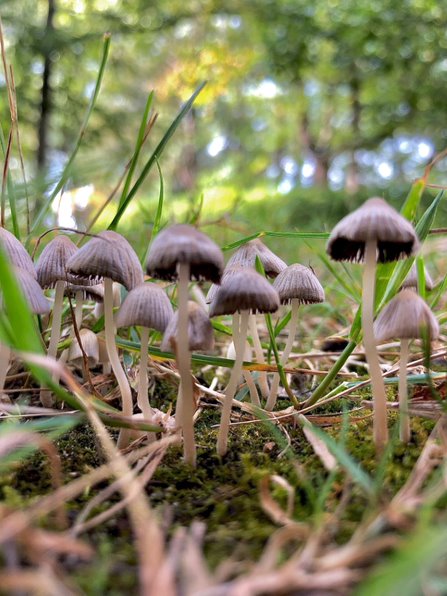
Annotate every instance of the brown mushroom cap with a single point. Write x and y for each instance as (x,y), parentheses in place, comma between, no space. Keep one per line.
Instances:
(52,263)
(200,330)
(300,283)
(375,219)
(146,305)
(107,255)
(182,243)
(406,316)
(16,252)
(32,291)
(245,256)
(244,289)
(411,281)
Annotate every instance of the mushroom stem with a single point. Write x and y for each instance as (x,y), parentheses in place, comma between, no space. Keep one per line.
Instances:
(46,398)
(112,351)
(293,324)
(143,398)
(186,395)
(404,415)
(5,354)
(241,334)
(369,343)
(254,395)
(259,355)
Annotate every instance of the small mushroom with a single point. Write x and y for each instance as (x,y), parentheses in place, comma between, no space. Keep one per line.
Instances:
(407,316)
(182,252)
(90,345)
(375,232)
(16,252)
(109,256)
(241,293)
(295,285)
(411,281)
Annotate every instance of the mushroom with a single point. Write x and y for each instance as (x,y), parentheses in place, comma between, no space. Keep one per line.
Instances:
(16,252)
(52,273)
(245,256)
(375,232)
(148,306)
(182,252)
(110,256)
(241,293)
(407,316)
(295,285)
(411,281)
(90,345)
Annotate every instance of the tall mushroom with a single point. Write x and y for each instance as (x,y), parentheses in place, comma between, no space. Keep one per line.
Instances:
(407,316)
(245,256)
(182,252)
(375,232)
(110,256)
(242,293)
(295,285)
(149,307)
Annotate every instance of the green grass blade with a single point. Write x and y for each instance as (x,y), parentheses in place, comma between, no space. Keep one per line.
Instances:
(155,155)
(138,146)
(411,204)
(11,192)
(349,289)
(421,277)
(68,167)
(157,220)
(295,235)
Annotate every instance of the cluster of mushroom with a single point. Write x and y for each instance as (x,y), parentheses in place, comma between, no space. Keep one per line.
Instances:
(374,233)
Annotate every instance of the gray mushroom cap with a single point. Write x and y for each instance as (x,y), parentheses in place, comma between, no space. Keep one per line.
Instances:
(298,282)
(16,252)
(108,255)
(93,292)
(375,219)
(244,289)
(52,263)
(146,305)
(411,281)
(406,316)
(200,330)
(182,243)
(245,256)
(32,291)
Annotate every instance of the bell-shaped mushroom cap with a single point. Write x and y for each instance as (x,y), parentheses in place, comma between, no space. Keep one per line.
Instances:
(200,330)
(52,263)
(182,243)
(411,281)
(33,293)
(375,219)
(245,256)
(229,270)
(91,348)
(146,305)
(406,316)
(244,289)
(300,283)
(108,255)
(16,252)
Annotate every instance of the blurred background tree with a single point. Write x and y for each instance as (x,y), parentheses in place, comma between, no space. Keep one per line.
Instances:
(309,107)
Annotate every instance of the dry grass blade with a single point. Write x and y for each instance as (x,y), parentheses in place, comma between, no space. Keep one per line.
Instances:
(270,506)
(320,448)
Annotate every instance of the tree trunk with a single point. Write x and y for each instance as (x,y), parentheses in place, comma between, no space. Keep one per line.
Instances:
(352,181)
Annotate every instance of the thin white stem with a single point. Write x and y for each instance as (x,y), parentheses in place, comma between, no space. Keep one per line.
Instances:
(293,324)
(5,355)
(369,342)
(112,351)
(186,393)
(222,438)
(46,397)
(404,415)
(254,395)
(259,355)
(143,397)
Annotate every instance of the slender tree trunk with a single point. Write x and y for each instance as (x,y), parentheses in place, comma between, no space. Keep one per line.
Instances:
(46,94)
(320,154)
(352,175)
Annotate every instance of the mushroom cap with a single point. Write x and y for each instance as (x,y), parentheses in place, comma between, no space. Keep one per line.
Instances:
(32,291)
(52,263)
(375,219)
(406,316)
(16,252)
(300,283)
(200,330)
(245,256)
(91,348)
(411,281)
(229,270)
(93,292)
(244,289)
(107,255)
(146,305)
(182,243)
